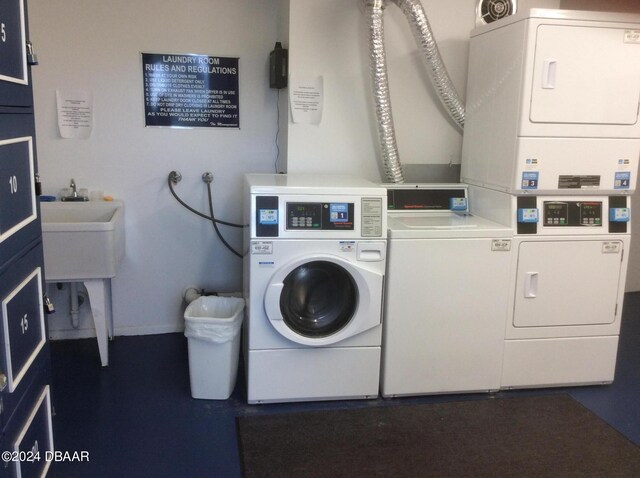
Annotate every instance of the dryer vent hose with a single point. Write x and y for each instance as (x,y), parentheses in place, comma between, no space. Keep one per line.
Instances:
(417,18)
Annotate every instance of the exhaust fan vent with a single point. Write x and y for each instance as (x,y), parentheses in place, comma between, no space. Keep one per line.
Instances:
(489,11)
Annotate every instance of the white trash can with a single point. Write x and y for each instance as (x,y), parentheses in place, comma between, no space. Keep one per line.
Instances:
(212,327)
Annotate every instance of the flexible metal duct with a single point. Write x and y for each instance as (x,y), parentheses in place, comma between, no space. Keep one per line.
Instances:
(421,29)
(440,79)
(374,10)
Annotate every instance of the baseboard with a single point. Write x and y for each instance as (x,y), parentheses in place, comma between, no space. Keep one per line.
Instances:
(150,329)
(72,334)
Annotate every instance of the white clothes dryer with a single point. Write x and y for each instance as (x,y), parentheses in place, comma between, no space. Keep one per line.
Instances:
(313,283)
(446,300)
(565,300)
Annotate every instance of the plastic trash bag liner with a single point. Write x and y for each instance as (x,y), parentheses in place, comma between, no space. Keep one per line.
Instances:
(214,319)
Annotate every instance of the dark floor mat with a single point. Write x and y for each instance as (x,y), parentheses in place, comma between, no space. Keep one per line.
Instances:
(544,436)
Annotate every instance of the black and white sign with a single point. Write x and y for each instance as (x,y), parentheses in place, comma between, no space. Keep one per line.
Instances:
(190,91)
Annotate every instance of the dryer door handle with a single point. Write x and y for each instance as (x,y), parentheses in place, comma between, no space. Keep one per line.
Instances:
(531,285)
(549,72)
(272,301)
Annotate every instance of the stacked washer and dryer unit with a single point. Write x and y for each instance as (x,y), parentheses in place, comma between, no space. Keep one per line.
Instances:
(551,148)
(550,156)
(313,284)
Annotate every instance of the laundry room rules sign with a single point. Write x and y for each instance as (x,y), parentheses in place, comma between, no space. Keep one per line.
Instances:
(190,91)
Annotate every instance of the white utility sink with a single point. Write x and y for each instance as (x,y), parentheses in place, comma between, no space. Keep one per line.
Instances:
(82,240)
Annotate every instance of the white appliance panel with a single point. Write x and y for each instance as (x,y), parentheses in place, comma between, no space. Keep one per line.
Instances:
(564,283)
(407,225)
(492,107)
(312,374)
(445,314)
(552,158)
(585,75)
(558,362)
(549,91)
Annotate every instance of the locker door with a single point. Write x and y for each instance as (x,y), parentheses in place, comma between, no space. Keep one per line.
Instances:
(18,204)
(22,317)
(14,73)
(563,283)
(34,437)
(585,75)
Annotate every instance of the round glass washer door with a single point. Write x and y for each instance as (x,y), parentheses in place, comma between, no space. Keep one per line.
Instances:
(318,299)
(323,300)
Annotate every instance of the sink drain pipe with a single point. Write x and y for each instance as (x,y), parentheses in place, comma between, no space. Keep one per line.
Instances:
(74,309)
(417,18)
(76,299)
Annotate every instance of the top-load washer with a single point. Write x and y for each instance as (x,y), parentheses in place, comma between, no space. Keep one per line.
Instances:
(313,282)
(446,294)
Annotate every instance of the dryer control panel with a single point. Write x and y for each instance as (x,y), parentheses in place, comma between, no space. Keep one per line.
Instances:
(572,213)
(561,215)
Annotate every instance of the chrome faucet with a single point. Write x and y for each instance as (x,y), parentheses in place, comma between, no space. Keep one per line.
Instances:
(73,195)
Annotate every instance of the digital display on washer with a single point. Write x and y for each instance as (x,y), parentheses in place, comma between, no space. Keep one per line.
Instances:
(339,212)
(319,216)
(304,215)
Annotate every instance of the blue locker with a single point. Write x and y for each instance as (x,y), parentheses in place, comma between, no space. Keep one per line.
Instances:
(15,76)
(25,403)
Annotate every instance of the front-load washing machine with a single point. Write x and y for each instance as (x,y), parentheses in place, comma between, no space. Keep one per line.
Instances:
(313,283)
(446,294)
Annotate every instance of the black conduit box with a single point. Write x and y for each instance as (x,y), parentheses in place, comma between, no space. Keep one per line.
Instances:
(278,67)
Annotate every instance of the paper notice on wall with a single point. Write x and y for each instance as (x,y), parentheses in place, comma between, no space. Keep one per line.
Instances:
(306,98)
(75,114)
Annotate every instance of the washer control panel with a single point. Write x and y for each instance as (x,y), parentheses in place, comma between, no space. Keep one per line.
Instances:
(333,216)
(321,216)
